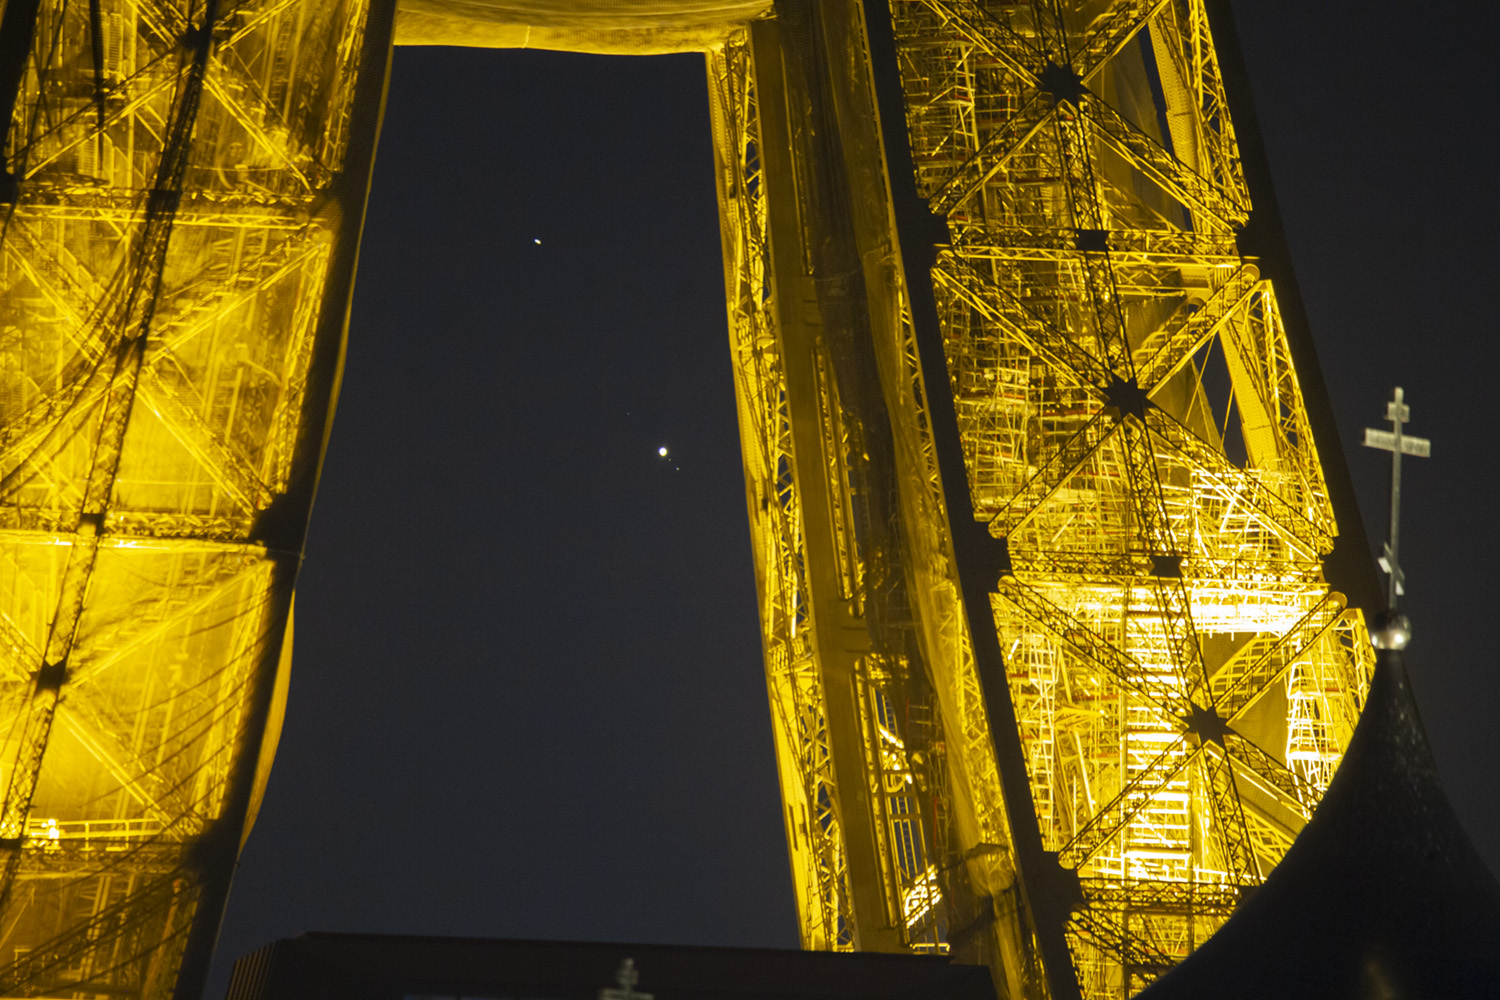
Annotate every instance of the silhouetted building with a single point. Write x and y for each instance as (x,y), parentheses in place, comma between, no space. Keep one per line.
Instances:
(393,967)
(1381,896)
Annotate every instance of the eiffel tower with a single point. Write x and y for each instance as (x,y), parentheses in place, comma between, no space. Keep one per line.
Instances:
(1063,591)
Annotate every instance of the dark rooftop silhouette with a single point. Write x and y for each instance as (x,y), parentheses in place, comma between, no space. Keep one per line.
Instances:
(390,967)
(1381,896)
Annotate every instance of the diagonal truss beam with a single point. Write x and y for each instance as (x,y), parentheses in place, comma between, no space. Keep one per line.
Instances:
(241,484)
(1270,775)
(1312,539)
(1183,334)
(1069,358)
(1165,170)
(1155,777)
(1092,647)
(1109,35)
(91,670)
(1240,684)
(135,776)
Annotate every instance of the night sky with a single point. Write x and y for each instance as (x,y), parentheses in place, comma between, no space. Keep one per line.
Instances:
(527,697)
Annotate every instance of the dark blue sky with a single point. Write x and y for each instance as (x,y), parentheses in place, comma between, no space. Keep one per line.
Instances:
(527,696)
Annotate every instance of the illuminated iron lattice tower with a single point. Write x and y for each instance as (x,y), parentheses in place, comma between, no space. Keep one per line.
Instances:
(1039,521)
(1038,513)
(183,192)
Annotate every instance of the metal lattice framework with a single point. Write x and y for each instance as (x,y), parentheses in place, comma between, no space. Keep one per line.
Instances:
(1133,441)
(171,224)
(826,680)
(1038,515)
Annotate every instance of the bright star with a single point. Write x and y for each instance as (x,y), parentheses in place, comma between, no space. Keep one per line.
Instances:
(662,451)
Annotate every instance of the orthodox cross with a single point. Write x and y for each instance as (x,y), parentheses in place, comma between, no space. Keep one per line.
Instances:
(1398,444)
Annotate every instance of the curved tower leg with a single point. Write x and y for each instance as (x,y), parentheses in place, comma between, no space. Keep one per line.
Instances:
(184,190)
(1049,496)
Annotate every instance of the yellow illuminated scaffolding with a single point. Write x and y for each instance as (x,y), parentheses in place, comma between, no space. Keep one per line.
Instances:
(1038,515)
(182,196)
(1054,669)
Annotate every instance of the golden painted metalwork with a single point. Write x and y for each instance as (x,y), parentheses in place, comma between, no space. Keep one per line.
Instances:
(1134,442)
(1038,515)
(169,225)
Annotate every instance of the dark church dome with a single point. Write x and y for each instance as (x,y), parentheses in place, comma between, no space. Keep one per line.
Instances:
(1382,896)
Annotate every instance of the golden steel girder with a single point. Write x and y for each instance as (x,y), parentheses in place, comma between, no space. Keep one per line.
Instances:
(1039,515)
(182,192)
